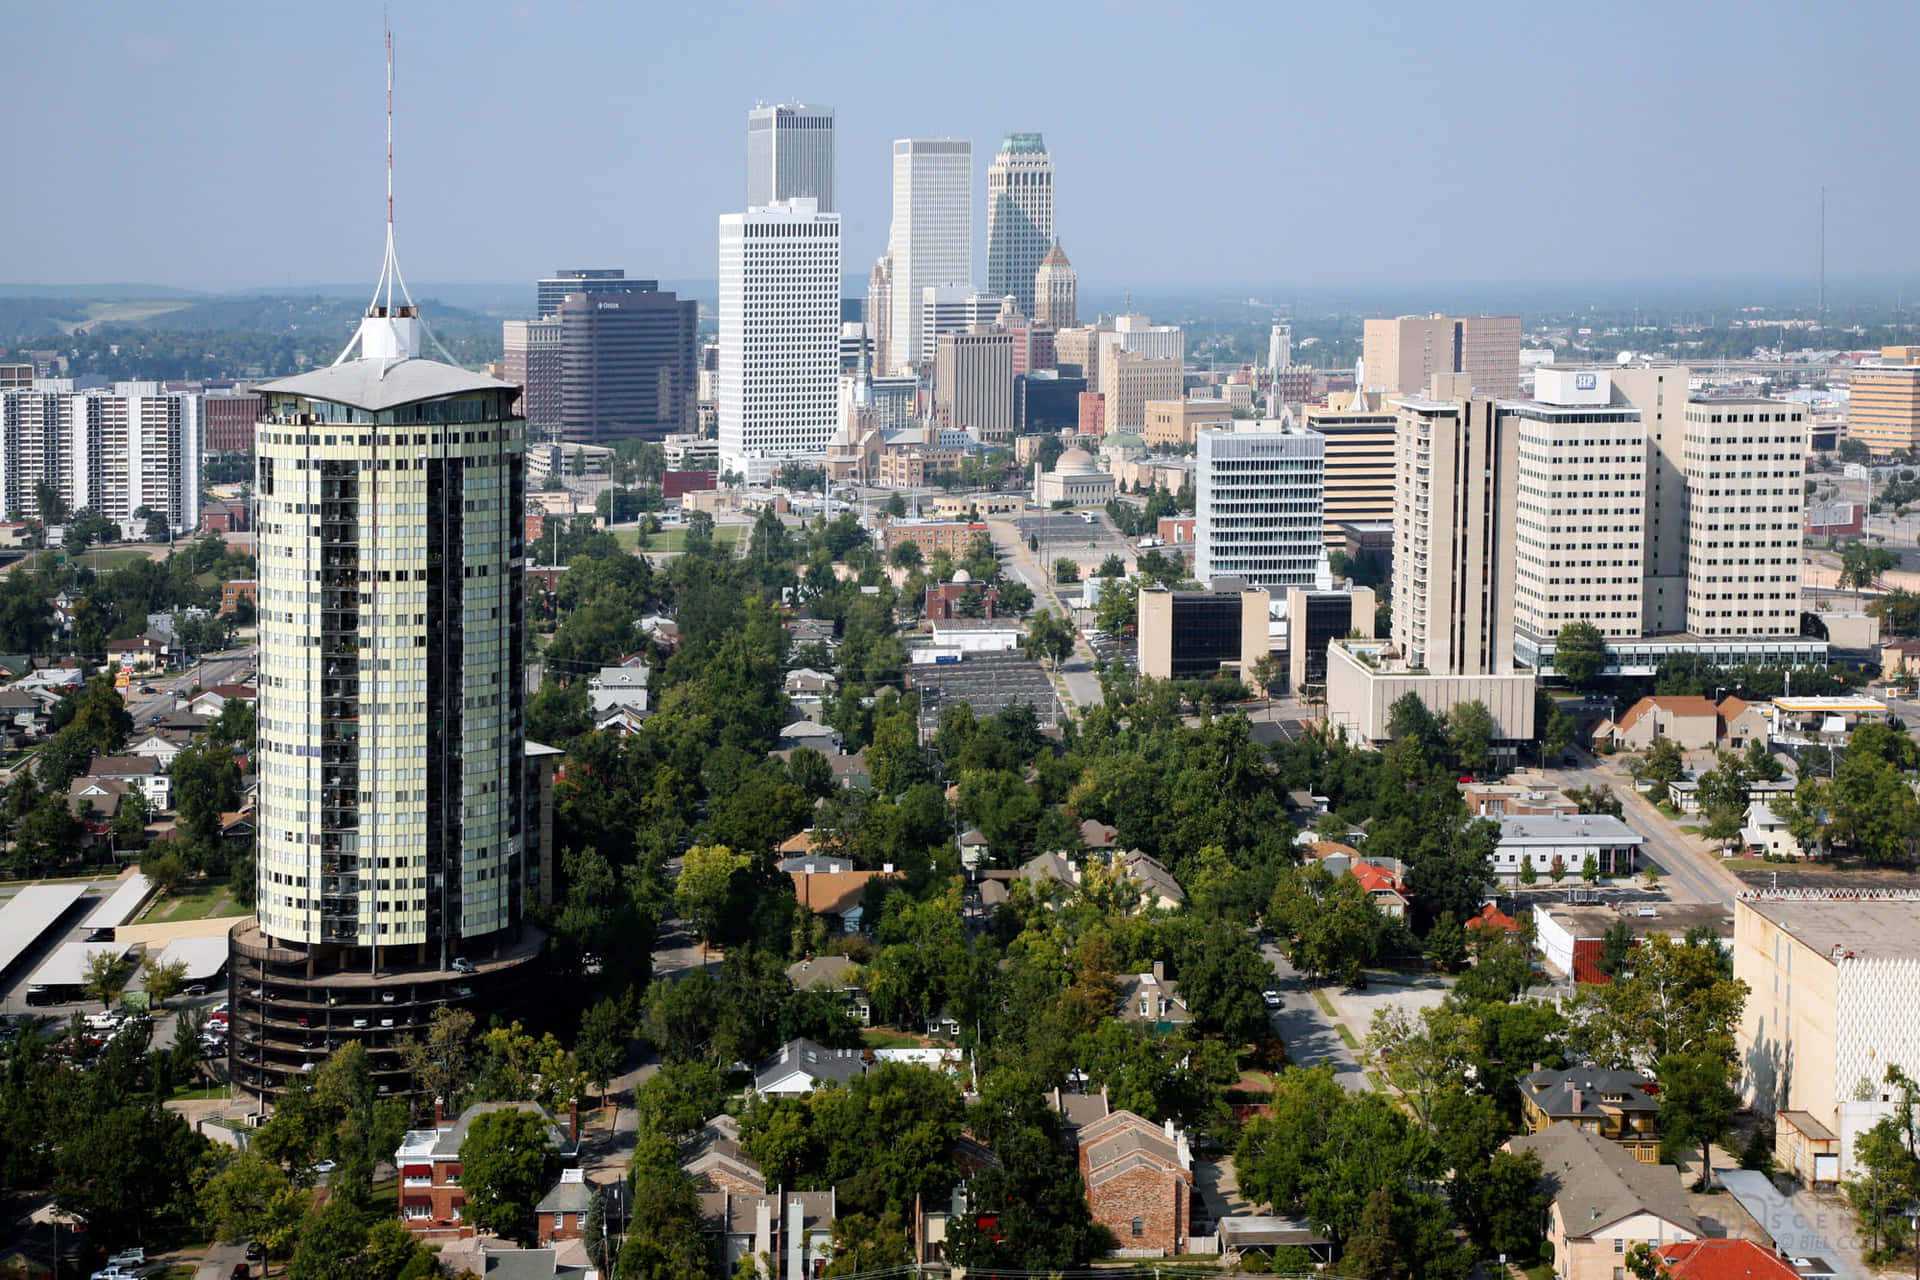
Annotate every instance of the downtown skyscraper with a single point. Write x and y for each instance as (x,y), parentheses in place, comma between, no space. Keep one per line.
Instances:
(1019,217)
(932,237)
(779,334)
(790,155)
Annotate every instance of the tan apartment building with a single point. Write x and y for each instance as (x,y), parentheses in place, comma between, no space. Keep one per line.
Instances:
(1833,982)
(1360,462)
(1172,423)
(914,468)
(1365,679)
(1454,509)
(1579,506)
(1746,465)
(1402,353)
(1080,347)
(1883,402)
(973,383)
(1128,380)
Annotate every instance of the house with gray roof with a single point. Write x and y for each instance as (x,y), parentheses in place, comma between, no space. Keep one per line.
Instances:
(1614,1104)
(832,973)
(1603,1201)
(1152,999)
(800,1066)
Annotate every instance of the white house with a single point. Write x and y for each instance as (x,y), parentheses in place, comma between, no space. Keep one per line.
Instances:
(622,687)
(1766,832)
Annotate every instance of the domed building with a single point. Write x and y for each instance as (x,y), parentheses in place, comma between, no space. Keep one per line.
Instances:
(1076,479)
(961,597)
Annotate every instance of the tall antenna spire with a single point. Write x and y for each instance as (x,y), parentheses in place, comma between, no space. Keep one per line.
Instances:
(391,331)
(1822,315)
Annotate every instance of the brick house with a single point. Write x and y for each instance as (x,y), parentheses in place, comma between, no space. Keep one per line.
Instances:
(431,1198)
(562,1212)
(943,598)
(1139,1179)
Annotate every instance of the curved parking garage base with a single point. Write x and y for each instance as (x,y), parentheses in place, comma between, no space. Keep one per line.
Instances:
(291,1006)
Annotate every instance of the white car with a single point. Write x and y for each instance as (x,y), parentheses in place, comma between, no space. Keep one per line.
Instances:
(134,1257)
(462,965)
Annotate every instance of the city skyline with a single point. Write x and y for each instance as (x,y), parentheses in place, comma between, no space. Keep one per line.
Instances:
(1517,172)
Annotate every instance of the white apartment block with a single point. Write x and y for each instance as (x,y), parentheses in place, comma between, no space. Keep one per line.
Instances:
(1260,495)
(1579,506)
(790,155)
(932,235)
(110,451)
(1142,337)
(779,322)
(1745,463)
(1280,346)
(1019,217)
(954,308)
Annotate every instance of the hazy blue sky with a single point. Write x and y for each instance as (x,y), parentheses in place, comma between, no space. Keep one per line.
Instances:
(1245,147)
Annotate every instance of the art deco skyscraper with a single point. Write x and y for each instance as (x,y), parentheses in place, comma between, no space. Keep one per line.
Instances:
(1019,216)
(1056,291)
(790,155)
(390,852)
(932,237)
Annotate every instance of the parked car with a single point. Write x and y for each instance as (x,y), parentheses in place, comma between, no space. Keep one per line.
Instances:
(255,1251)
(146,688)
(134,1257)
(197,989)
(242,1272)
(1272,996)
(116,1273)
(462,965)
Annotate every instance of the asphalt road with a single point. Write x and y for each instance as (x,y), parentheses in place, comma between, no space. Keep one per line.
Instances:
(1689,871)
(1076,673)
(220,668)
(1308,1033)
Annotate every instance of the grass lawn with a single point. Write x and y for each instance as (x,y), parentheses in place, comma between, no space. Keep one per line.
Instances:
(674,538)
(1539,1271)
(181,1271)
(878,1038)
(1346,1036)
(194,900)
(1326,1005)
(386,1196)
(96,558)
(208,1094)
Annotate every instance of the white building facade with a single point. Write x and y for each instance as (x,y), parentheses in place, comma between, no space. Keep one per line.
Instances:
(1260,494)
(1745,463)
(932,237)
(1580,505)
(954,308)
(111,451)
(1019,217)
(779,321)
(790,155)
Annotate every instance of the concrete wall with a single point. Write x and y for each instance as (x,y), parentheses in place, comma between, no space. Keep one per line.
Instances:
(1361,699)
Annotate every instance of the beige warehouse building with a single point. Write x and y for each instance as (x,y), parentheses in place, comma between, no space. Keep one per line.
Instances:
(1833,988)
(1173,423)
(1883,402)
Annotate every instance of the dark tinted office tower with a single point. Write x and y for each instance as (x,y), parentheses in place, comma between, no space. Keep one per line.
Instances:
(1043,403)
(626,364)
(549,292)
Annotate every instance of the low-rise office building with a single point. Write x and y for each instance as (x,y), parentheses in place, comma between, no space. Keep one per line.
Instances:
(1188,635)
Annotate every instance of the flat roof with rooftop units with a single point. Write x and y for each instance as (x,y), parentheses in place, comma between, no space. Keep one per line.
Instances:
(29,914)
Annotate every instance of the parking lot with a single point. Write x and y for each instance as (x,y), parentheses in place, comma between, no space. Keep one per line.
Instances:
(1067,534)
(987,682)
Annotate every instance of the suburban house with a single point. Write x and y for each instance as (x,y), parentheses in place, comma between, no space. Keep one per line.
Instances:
(1095,836)
(1614,1104)
(716,1161)
(1684,793)
(831,973)
(210,702)
(620,721)
(835,895)
(143,773)
(562,1212)
(15,665)
(1380,877)
(162,745)
(23,713)
(623,687)
(1727,1258)
(800,1066)
(806,733)
(1139,1180)
(429,1164)
(805,631)
(1492,917)
(1155,884)
(1152,998)
(975,853)
(791,1230)
(1690,722)
(1742,722)
(1603,1201)
(1563,842)
(94,801)
(1765,833)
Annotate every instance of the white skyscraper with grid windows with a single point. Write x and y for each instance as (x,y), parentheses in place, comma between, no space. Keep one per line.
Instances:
(932,237)
(790,155)
(779,334)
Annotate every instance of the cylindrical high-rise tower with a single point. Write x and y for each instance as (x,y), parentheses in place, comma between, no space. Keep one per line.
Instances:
(391,746)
